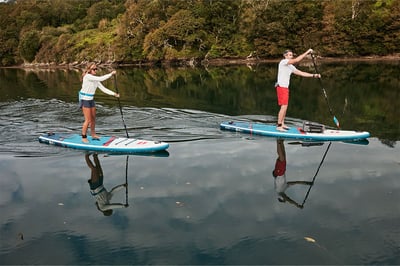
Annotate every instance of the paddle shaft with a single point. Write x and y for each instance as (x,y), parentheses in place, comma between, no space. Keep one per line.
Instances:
(316,173)
(335,120)
(126,181)
(120,108)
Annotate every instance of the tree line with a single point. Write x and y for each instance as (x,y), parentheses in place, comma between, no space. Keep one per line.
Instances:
(132,31)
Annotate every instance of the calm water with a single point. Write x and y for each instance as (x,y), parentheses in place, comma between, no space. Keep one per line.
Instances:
(211,199)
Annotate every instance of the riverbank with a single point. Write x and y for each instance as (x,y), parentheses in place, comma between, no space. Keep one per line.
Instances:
(199,63)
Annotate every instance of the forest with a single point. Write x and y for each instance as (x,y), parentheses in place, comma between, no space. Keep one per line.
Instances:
(64,32)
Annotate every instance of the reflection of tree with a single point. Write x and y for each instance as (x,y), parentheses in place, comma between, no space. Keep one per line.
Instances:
(97,189)
(371,93)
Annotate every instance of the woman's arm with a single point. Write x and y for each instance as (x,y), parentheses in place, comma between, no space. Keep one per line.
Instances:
(105,90)
(91,77)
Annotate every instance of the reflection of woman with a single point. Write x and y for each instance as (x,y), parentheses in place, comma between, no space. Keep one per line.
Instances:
(97,189)
(90,82)
(279,173)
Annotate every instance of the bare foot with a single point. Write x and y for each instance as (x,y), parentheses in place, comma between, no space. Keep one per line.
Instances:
(281,128)
(95,137)
(85,140)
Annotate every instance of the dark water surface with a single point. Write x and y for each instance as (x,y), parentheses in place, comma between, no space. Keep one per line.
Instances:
(212,198)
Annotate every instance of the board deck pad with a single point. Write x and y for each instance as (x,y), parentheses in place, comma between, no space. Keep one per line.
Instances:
(110,144)
(293,132)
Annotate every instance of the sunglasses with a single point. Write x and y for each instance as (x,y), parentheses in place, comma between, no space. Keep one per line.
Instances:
(94,68)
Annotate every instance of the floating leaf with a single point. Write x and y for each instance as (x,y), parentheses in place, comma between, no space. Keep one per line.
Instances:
(180,204)
(309,239)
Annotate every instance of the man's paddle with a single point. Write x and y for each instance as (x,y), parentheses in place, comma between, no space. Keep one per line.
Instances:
(126,181)
(316,173)
(119,104)
(335,120)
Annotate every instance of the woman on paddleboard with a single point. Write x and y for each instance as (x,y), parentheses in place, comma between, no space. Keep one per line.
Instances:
(90,82)
(285,69)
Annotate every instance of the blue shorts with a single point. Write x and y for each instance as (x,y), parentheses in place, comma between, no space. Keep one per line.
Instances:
(87,103)
(96,184)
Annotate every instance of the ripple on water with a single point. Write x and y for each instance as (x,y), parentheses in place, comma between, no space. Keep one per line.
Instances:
(23,121)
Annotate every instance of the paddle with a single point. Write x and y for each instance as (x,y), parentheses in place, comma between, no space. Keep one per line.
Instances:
(335,120)
(316,173)
(126,181)
(120,108)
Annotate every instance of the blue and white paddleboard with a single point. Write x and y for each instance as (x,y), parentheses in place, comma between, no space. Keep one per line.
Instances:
(109,144)
(294,132)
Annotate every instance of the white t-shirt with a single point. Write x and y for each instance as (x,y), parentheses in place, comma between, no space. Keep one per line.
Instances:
(284,72)
(91,83)
(280,184)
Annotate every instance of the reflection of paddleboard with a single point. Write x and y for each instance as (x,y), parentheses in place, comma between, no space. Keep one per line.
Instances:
(104,144)
(293,132)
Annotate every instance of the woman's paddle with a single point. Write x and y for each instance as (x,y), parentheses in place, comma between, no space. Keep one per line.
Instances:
(119,104)
(335,120)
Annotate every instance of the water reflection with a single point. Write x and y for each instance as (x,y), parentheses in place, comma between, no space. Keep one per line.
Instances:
(220,177)
(279,173)
(99,192)
(363,95)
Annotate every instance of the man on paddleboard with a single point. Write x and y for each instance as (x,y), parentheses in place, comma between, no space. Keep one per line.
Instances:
(285,69)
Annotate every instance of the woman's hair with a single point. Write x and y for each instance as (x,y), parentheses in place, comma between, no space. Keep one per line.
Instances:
(89,67)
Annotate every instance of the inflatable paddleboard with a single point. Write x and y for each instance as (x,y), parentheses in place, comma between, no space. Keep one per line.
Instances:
(304,133)
(109,144)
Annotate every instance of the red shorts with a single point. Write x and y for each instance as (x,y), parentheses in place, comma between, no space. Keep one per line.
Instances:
(280,168)
(283,95)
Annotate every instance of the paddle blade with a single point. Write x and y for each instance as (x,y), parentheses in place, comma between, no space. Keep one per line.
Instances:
(336,121)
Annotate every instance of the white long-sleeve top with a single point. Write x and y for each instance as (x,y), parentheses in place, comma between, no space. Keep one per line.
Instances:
(103,197)
(91,83)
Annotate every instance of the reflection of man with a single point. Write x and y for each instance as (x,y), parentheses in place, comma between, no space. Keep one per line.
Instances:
(97,189)
(279,173)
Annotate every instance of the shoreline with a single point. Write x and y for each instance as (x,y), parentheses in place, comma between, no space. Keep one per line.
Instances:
(198,63)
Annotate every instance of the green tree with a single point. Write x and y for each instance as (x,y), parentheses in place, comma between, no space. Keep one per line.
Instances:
(29,45)
(180,37)
(103,10)
(287,24)
(139,30)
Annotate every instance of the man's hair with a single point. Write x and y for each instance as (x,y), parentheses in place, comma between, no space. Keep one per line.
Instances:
(287,51)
